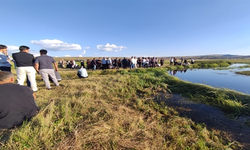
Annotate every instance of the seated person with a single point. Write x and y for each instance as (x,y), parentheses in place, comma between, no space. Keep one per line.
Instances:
(17,102)
(82,72)
(186,63)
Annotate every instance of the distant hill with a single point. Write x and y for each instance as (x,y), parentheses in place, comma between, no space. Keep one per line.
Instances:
(225,56)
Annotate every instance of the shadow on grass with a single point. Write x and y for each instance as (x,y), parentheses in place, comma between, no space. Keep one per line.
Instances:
(212,117)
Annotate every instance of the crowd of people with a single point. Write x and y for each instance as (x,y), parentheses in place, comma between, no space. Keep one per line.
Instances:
(18,101)
(27,66)
(114,63)
(174,61)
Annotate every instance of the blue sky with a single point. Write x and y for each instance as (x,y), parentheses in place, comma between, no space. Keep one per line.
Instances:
(127,27)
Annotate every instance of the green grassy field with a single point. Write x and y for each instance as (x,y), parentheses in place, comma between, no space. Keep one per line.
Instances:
(114,109)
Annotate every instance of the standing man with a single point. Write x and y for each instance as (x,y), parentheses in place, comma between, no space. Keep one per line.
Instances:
(104,63)
(132,65)
(108,63)
(93,64)
(43,65)
(135,62)
(25,66)
(4,59)
(162,61)
(83,63)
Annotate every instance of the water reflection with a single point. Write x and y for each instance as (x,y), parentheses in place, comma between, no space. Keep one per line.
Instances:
(173,72)
(217,78)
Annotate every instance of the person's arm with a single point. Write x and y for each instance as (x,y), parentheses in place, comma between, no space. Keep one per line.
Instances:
(8,57)
(34,95)
(56,68)
(36,67)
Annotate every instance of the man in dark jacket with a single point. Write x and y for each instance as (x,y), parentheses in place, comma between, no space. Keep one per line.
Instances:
(124,63)
(17,102)
(25,67)
(93,64)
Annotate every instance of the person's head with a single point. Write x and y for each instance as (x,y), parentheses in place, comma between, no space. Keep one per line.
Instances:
(24,48)
(3,48)
(6,77)
(43,52)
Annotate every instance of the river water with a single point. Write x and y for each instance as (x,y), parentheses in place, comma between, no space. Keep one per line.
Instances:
(217,78)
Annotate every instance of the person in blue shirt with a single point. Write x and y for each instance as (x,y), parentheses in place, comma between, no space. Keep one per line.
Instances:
(4,59)
(104,66)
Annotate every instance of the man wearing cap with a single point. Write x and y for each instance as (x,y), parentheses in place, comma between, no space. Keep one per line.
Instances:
(17,102)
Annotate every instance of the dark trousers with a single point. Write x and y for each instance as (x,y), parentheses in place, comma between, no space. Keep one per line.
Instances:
(104,66)
(5,69)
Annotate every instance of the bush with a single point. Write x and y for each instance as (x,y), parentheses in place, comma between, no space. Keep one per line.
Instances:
(215,65)
(195,66)
(224,64)
(180,67)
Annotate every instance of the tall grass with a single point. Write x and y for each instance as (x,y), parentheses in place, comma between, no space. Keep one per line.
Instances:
(114,109)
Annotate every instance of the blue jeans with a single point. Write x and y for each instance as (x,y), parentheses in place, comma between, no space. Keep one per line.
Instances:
(132,66)
(94,68)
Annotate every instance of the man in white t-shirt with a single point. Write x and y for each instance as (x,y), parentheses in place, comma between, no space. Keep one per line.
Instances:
(135,61)
(82,72)
(132,63)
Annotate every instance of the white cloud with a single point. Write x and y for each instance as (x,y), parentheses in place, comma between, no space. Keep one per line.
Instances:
(13,49)
(110,48)
(56,45)
(80,56)
(34,53)
(67,56)
(84,52)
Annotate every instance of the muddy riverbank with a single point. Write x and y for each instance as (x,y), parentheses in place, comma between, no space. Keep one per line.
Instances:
(212,117)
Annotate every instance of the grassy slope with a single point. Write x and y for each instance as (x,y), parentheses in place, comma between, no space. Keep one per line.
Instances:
(114,110)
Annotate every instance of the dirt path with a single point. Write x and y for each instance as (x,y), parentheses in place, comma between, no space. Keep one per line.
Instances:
(211,116)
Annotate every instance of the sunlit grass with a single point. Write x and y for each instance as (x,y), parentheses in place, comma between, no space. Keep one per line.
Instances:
(114,109)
